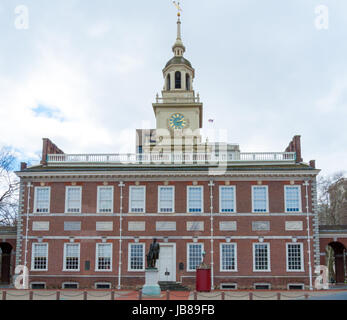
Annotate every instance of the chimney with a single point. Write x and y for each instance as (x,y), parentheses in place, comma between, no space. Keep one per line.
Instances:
(295,146)
(23,166)
(312,164)
(48,147)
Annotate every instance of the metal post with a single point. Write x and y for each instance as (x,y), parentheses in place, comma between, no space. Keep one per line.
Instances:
(279,296)
(306,184)
(167,295)
(223,295)
(195,295)
(58,295)
(121,185)
(4,295)
(211,184)
(27,224)
(85,295)
(306,296)
(31,295)
(140,294)
(112,295)
(251,296)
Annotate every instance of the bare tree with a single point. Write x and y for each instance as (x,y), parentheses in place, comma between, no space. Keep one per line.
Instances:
(9,187)
(331,199)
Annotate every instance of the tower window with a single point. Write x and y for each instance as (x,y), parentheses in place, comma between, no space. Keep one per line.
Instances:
(168,82)
(187,82)
(178,80)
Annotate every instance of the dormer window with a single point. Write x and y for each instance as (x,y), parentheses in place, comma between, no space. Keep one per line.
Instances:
(178,80)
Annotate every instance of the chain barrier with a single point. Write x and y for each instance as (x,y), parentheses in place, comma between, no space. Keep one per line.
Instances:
(117,295)
(18,295)
(209,297)
(97,296)
(266,297)
(71,295)
(233,296)
(44,295)
(179,296)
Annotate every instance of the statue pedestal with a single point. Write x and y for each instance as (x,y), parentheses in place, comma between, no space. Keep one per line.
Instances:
(151,287)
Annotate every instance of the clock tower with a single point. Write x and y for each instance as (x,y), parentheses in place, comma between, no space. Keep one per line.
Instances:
(178,111)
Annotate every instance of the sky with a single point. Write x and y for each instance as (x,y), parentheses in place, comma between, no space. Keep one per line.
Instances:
(85,73)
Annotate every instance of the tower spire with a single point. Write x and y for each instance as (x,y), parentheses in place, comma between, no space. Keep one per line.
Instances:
(178,48)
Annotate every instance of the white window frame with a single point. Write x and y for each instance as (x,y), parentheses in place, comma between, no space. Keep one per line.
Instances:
(129,256)
(173,199)
(296,284)
(37,282)
(49,200)
(98,199)
(262,284)
(66,199)
(268,256)
(267,198)
(70,282)
(301,256)
(144,200)
(97,257)
(32,256)
(102,283)
(285,199)
(220,199)
(221,258)
(79,257)
(202,199)
(188,252)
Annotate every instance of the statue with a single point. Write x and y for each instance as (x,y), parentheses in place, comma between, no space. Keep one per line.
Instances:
(153,254)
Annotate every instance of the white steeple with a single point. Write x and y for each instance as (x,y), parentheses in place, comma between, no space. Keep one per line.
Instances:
(178,48)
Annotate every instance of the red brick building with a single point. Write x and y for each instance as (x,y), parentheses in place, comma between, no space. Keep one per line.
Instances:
(88,220)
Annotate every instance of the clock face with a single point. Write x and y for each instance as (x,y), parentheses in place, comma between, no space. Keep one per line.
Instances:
(177,121)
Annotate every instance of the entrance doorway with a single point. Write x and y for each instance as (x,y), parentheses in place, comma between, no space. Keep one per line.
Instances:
(5,262)
(167,262)
(336,262)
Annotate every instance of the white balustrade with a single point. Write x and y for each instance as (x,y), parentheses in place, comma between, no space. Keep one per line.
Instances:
(173,158)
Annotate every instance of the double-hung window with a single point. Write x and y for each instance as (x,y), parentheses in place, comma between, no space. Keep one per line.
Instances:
(295,257)
(137,199)
(166,199)
(292,196)
(228,260)
(227,199)
(39,258)
(194,255)
(42,199)
(105,199)
(195,198)
(261,257)
(71,257)
(73,199)
(103,257)
(260,199)
(136,258)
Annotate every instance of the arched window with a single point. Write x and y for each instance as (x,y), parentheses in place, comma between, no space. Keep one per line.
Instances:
(187,82)
(178,80)
(168,82)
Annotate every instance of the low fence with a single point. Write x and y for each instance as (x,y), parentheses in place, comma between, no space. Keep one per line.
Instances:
(137,295)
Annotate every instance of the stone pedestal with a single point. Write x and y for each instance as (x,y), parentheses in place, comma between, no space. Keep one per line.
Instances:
(151,287)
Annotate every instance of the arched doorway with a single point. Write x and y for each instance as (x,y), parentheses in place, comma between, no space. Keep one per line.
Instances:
(336,261)
(5,262)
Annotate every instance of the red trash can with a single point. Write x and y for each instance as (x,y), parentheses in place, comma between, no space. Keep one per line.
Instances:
(203,280)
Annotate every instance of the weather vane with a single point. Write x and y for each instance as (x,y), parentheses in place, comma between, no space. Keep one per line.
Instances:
(177,5)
